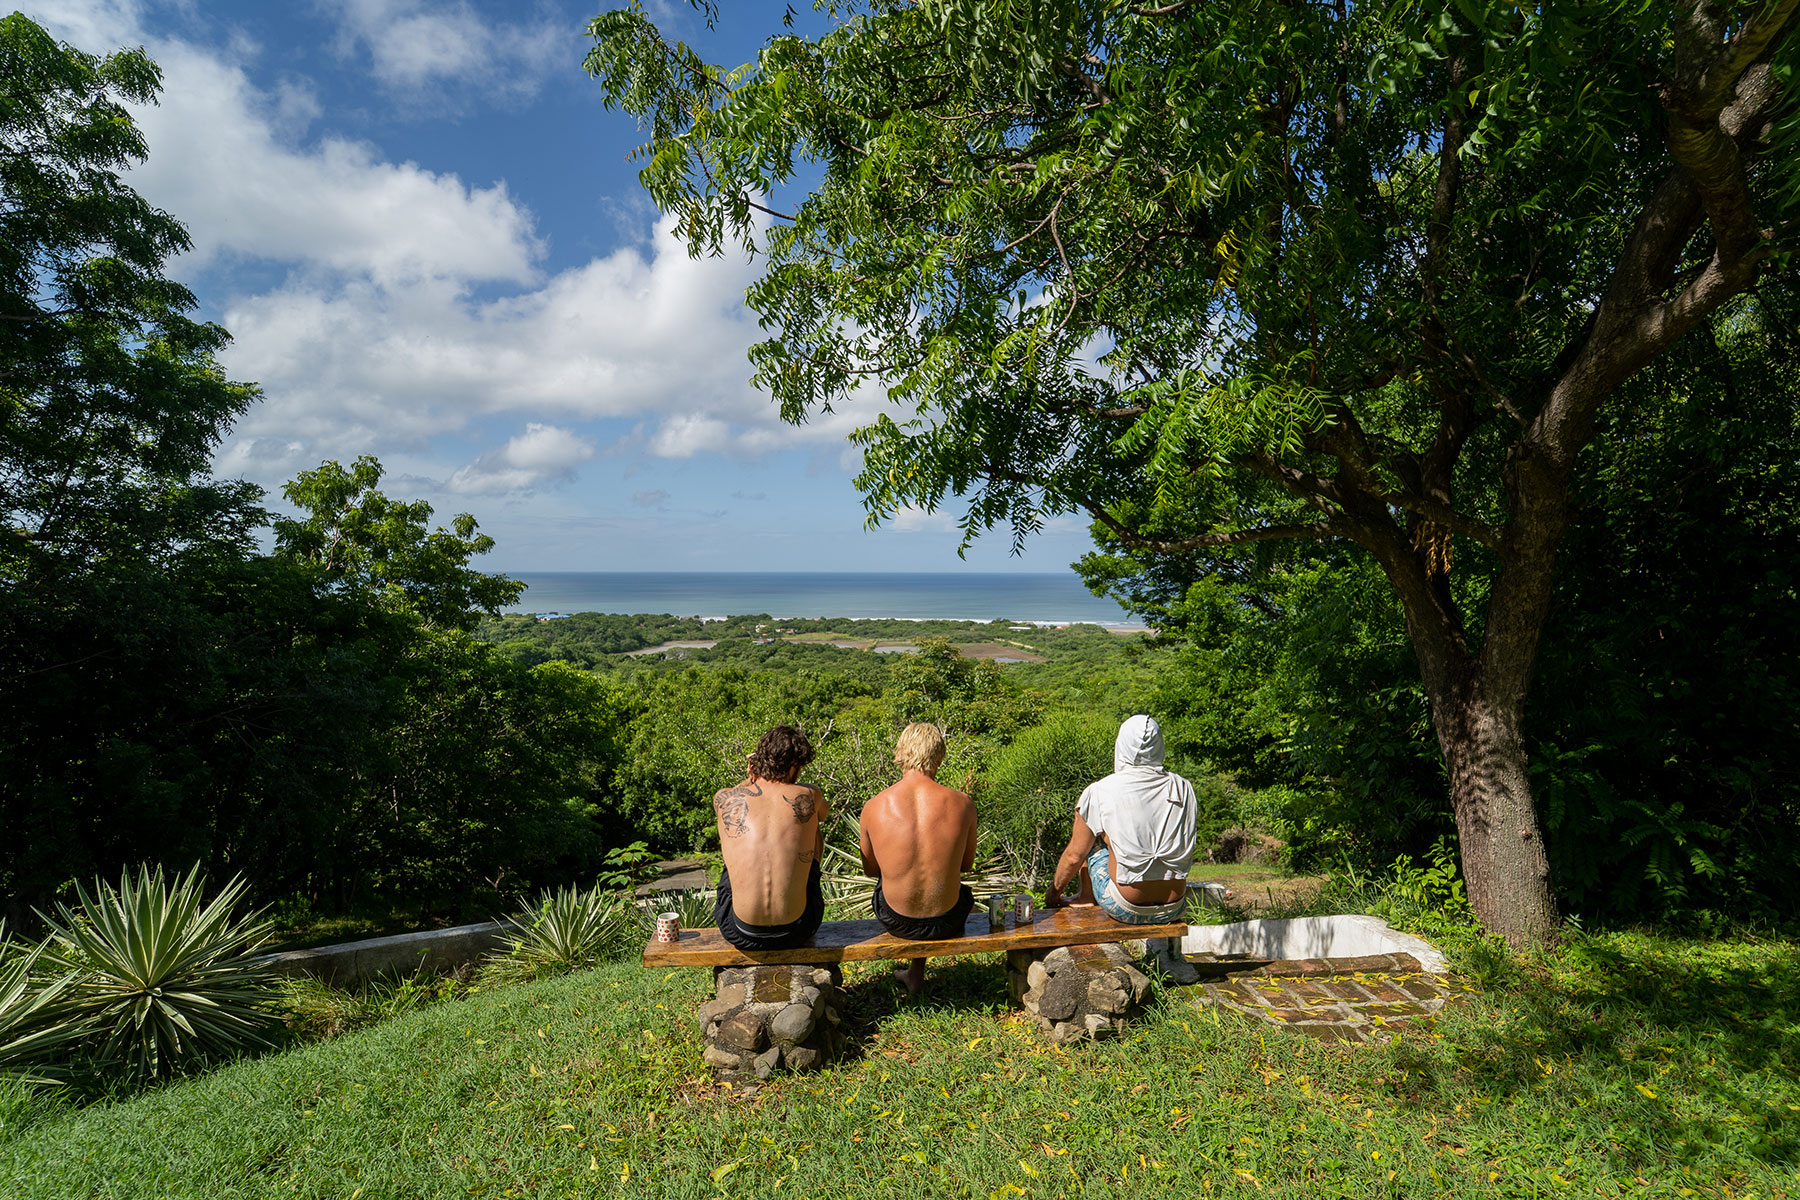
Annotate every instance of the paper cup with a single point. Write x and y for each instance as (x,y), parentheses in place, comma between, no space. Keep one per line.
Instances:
(668,927)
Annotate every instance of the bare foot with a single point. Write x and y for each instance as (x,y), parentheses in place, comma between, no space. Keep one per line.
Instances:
(911,976)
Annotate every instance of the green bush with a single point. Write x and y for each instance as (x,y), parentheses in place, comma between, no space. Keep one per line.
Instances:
(1027,801)
(162,978)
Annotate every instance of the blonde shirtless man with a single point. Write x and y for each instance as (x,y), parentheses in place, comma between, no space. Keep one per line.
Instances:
(769,833)
(918,837)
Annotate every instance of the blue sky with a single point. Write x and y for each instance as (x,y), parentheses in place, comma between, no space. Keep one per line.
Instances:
(419,224)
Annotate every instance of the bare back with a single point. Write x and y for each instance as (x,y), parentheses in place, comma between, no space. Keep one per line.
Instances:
(769,835)
(919,837)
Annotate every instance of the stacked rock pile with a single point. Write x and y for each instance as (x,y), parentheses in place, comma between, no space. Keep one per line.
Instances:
(1077,991)
(766,1017)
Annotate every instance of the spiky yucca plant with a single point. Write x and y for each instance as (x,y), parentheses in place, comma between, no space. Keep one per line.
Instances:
(693,908)
(32,1030)
(567,930)
(163,978)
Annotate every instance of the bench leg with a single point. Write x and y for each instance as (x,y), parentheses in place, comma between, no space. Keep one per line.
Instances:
(1077,991)
(766,1018)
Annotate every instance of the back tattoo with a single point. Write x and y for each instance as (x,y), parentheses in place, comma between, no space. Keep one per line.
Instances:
(733,807)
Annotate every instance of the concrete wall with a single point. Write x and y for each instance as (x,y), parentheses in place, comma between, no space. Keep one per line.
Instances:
(1310,937)
(436,950)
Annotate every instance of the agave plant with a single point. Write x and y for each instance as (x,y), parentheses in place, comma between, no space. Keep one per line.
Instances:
(163,978)
(567,930)
(693,908)
(32,1028)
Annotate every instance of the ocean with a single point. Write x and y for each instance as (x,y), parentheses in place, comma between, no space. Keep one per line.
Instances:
(950,596)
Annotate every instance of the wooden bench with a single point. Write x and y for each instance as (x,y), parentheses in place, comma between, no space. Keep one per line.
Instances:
(782,1008)
(867,941)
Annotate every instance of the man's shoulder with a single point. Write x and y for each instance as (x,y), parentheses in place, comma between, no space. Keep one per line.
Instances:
(954,798)
(940,796)
(806,800)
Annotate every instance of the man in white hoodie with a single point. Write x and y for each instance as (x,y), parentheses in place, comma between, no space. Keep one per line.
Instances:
(1133,842)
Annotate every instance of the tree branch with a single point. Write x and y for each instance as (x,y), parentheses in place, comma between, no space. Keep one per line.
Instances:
(1721,98)
(1726,91)
(1440,513)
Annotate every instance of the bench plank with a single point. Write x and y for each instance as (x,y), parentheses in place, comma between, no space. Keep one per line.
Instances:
(867,941)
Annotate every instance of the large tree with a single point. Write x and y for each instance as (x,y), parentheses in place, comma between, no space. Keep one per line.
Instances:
(1231,272)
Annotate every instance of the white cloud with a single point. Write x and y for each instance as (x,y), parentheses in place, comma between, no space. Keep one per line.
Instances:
(410,305)
(429,52)
(918,520)
(245,191)
(542,454)
(96,26)
(654,498)
(344,361)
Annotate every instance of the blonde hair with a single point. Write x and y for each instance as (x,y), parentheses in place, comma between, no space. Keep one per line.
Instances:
(921,747)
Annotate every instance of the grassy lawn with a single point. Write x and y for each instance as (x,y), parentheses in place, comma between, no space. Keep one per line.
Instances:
(1627,1065)
(1260,888)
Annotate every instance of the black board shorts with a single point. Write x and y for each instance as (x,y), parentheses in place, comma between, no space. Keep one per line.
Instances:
(797,932)
(926,929)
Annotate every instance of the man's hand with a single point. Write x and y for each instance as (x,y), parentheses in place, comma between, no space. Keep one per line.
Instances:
(1053,897)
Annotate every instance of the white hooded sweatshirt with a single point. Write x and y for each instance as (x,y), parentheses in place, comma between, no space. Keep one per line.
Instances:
(1145,811)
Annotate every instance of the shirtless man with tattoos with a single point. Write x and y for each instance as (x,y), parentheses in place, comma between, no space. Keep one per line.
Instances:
(769,832)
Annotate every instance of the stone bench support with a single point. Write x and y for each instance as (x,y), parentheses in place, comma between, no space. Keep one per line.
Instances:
(783,1008)
(765,1017)
(1076,992)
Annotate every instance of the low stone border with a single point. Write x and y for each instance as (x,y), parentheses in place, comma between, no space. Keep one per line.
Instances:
(769,1017)
(1361,999)
(1076,992)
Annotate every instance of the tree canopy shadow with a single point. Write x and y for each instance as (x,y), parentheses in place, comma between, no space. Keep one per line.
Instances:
(1678,1045)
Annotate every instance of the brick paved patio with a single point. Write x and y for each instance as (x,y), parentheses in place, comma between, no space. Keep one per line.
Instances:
(1338,999)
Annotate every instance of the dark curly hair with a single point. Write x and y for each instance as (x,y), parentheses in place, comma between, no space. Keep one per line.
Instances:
(782,754)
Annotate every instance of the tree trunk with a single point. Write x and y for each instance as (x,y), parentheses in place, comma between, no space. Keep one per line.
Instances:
(1478,709)
(1505,867)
